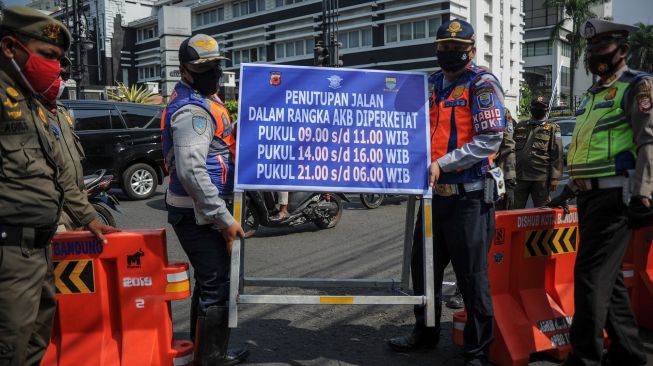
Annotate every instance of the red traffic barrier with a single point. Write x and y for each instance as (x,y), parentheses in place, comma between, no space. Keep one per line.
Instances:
(638,275)
(531,278)
(113,301)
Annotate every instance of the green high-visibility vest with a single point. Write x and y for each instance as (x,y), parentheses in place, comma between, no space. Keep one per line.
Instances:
(602,131)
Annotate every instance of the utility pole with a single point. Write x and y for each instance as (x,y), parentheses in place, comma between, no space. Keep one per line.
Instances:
(78,74)
(327,50)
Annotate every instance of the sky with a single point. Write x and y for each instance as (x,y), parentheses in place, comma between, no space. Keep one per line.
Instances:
(624,11)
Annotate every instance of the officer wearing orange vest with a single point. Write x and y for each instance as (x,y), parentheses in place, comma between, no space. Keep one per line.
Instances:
(467,123)
(199,145)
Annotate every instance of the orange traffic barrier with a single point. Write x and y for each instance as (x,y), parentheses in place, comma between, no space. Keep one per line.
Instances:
(114,301)
(638,275)
(531,279)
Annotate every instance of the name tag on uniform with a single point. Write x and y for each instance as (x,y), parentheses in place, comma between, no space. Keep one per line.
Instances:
(608,104)
(455,103)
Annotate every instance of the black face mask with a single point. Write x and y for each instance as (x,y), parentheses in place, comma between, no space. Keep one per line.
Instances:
(206,82)
(602,64)
(538,113)
(452,61)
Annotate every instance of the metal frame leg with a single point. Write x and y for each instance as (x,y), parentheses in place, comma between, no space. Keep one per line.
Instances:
(235,274)
(429,287)
(408,243)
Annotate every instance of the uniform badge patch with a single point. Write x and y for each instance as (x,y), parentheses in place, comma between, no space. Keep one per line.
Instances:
(458,91)
(485,100)
(558,135)
(9,104)
(199,124)
(612,92)
(454,27)
(509,126)
(42,116)
(643,88)
(51,31)
(15,114)
(12,92)
(70,120)
(644,102)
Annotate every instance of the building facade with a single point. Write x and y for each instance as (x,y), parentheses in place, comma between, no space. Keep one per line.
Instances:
(547,59)
(381,34)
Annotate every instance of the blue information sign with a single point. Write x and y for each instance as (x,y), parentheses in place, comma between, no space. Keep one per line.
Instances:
(326,129)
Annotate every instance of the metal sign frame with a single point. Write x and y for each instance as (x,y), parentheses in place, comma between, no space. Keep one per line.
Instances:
(238,281)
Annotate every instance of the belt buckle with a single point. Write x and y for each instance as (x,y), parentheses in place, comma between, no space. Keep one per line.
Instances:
(444,190)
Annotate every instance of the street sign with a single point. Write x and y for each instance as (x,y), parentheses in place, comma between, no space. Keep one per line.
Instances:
(332,129)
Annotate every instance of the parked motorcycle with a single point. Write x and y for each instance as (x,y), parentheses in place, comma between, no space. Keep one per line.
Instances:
(97,187)
(372,200)
(322,209)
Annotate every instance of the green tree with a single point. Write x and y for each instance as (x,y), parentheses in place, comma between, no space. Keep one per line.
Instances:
(641,51)
(134,94)
(525,97)
(575,13)
(232,107)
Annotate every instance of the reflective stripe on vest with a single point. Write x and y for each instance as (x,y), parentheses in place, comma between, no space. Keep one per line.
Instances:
(220,157)
(602,132)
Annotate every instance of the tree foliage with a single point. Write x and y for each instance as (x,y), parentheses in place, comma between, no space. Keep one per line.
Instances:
(232,107)
(576,12)
(525,97)
(641,51)
(134,94)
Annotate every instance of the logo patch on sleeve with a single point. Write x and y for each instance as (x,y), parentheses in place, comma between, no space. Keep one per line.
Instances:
(199,124)
(644,102)
(485,100)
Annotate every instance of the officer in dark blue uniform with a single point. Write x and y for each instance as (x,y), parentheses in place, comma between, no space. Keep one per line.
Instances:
(467,122)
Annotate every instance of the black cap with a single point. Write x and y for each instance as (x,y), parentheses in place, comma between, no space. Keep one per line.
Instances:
(198,49)
(540,102)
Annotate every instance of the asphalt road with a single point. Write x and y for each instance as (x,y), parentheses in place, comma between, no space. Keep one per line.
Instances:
(365,244)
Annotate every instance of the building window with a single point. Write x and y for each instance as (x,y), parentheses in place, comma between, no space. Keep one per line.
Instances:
(280,3)
(419,29)
(356,38)
(242,8)
(298,47)
(208,17)
(256,54)
(539,79)
(145,34)
(565,80)
(539,48)
(150,72)
(566,49)
(537,15)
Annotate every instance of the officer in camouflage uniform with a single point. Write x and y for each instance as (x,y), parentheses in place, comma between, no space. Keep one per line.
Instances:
(538,145)
(610,162)
(32,188)
(505,159)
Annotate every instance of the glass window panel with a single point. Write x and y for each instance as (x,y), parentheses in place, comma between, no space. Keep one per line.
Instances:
(290,49)
(279,3)
(391,33)
(280,50)
(367,37)
(92,119)
(310,45)
(262,53)
(299,48)
(345,41)
(220,13)
(434,24)
(253,55)
(419,29)
(236,10)
(405,32)
(236,57)
(245,56)
(353,39)
(261,5)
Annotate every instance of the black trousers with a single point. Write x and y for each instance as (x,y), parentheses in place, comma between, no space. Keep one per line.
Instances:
(463,227)
(207,251)
(600,297)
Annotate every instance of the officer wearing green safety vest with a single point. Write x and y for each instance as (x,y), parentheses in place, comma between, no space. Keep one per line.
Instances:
(610,165)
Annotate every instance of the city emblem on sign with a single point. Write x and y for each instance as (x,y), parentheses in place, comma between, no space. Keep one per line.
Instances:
(275,78)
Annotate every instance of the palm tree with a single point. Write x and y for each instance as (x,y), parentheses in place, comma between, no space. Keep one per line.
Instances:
(577,12)
(641,48)
(134,94)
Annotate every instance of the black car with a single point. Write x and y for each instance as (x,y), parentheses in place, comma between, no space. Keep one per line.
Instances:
(124,139)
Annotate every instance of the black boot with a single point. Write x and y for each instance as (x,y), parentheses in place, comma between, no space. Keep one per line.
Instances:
(420,338)
(212,339)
